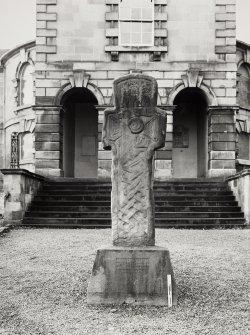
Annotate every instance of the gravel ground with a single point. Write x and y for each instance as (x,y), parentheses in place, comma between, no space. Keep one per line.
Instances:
(44,274)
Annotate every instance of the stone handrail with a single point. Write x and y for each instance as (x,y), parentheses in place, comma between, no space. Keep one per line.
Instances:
(240,185)
(19,188)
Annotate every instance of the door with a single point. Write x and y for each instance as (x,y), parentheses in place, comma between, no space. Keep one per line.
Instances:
(86,141)
(185,145)
(80,141)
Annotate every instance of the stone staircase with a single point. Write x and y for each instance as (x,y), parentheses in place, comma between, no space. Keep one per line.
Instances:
(182,203)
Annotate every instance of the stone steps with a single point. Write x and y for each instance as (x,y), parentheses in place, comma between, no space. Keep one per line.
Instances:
(94,203)
(159,223)
(83,209)
(157,194)
(159,200)
(196,204)
(107,214)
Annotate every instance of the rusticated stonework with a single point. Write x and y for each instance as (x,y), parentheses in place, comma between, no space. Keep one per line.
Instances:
(133,130)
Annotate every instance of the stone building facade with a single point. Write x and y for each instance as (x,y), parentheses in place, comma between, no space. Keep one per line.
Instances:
(53,91)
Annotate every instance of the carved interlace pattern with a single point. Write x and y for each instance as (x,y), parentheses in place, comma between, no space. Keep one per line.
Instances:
(133,210)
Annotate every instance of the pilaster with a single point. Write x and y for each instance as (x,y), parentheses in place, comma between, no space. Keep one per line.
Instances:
(225,33)
(48,141)
(222,141)
(163,157)
(104,156)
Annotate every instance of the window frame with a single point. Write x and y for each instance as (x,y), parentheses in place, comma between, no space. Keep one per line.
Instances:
(18,83)
(139,21)
(160,32)
(22,83)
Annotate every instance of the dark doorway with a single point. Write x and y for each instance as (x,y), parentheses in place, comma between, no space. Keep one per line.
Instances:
(80,134)
(190,134)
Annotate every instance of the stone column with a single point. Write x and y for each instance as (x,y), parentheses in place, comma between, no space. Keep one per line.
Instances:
(133,270)
(48,141)
(163,156)
(104,156)
(222,141)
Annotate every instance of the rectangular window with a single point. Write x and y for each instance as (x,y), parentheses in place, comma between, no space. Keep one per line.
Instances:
(136,23)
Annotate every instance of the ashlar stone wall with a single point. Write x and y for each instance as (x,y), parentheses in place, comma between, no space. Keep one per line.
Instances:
(14,116)
(69,39)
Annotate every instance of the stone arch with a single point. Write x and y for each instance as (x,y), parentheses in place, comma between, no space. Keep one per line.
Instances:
(18,87)
(244,65)
(80,131)
(21,66)
(210,95)
(243,81)
(90,86)
(190,133)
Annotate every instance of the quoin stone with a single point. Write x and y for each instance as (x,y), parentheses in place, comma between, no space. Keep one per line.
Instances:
(133,270)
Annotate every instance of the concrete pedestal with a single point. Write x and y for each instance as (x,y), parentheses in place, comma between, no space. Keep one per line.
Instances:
(141,275)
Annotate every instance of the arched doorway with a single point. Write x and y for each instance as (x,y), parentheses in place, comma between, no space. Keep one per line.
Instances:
(190,134)
(80,133)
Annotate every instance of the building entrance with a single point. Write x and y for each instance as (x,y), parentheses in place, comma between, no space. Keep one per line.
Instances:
(190,134)
(80,134)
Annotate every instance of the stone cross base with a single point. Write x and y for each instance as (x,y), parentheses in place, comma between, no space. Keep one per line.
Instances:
(138,275)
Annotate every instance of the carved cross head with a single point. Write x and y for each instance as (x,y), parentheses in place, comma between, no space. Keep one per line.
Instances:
(135,114)
(135,90)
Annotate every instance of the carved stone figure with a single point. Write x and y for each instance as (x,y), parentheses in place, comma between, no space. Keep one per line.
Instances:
(133,130)
(133,270)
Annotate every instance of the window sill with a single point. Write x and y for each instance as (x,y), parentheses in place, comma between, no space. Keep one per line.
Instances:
(119,48)
(115,49)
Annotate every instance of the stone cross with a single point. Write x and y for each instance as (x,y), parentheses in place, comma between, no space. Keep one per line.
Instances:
(133,270)
(133,130)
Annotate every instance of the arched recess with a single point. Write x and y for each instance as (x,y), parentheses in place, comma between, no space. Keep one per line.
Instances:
(242,122)
(80,132)
(210,95)
(190,133)
(24,83)
(90,86)
(243,65)
(243,85)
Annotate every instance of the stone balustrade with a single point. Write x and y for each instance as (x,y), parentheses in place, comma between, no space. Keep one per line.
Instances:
(240,185)
(19,189)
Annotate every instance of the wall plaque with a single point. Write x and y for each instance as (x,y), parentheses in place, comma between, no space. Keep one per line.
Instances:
(88,146)
(180,137)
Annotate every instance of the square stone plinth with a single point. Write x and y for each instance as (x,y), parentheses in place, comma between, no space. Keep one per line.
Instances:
(141,275)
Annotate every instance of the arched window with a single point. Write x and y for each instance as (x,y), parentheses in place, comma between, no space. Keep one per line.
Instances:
(26,85)
(244,86)
(136,22)
(242,120)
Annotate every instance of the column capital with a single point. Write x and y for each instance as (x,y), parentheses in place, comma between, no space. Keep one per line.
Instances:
(223,109)
(47,109)
(168,108)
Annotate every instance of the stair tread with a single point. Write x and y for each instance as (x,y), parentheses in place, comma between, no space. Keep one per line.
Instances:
(159,219)
(182,203)
(109,212)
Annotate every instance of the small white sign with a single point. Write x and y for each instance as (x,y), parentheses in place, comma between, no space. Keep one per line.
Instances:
(170,300)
